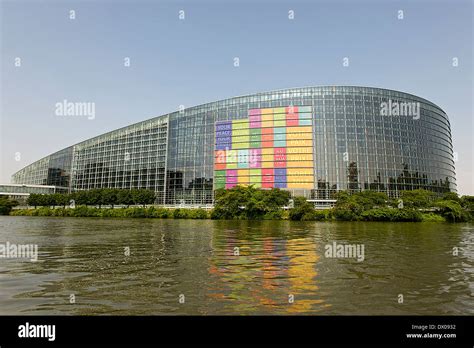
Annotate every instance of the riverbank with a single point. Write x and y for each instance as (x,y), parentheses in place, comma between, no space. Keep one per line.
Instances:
(330,215)
(250,203)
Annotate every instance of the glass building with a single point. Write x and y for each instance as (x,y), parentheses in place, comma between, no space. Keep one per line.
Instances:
(313,141)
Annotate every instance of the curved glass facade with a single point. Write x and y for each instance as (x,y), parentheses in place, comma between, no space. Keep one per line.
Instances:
(349,138)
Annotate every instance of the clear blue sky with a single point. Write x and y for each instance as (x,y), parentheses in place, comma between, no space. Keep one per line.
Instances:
(190,61)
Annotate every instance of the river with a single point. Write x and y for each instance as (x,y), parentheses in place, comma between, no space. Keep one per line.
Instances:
(94,266)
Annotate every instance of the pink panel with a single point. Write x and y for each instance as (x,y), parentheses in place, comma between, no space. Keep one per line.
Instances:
(255,112)
(255,118)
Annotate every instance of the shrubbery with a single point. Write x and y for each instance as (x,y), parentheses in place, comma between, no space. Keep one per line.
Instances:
(249,203)
(135,212)
(391,214)
(6,205)
(97,197)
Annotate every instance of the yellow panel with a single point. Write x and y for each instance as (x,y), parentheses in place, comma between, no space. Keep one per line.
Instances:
(299,171)
(240,124)
(304,142)
(238,132)
(268,164)
(299,129)
(267,151)
(299,164)
(231,156)
(299,157)
(243,179)
(267,124)
(268,117)
(243,172)
(267,157)
(240,145)
(291,136)
(267,111)
(300,178)
(308,186)
(240,139)
(293,150)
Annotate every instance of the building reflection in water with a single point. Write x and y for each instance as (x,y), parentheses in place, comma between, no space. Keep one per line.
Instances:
(281,266)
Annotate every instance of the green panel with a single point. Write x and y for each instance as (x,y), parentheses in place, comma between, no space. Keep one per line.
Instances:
(219,179)
(255,173)
(255,144)
(219,185)
(256,137)
(255,131)
(279,123)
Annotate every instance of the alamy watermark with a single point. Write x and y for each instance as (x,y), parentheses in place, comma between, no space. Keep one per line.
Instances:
(19,251)
(395,108)
(354,251)
(67,108)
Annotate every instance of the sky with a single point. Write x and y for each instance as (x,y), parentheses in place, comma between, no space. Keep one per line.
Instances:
(48,57)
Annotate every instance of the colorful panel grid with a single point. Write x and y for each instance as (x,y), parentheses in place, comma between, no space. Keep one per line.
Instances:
(273,147)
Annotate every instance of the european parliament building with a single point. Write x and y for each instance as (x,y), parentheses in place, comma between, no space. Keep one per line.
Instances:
(312,141)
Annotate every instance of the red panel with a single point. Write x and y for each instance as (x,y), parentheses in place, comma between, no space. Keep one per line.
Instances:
(267,171)
(280,164)
(279,151)
(279,158)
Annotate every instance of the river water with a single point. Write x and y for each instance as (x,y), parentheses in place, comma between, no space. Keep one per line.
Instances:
(204,267)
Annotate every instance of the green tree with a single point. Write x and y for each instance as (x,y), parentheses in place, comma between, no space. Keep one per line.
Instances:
(301,209)
(33,200)
(451,196)
(6,205)
(452,211)
(109,196)
(417,198)
(124,197)
(247,202)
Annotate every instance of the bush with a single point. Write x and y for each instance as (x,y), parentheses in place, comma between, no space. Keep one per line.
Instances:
(452,211)
(198,214)
(316,215)
(161,213)
(180,214)
(274,215)
(432,217)
(406,215)
(381,214)
(349,211)
(6,205)
(395,215)
(301,207)
(247,202)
